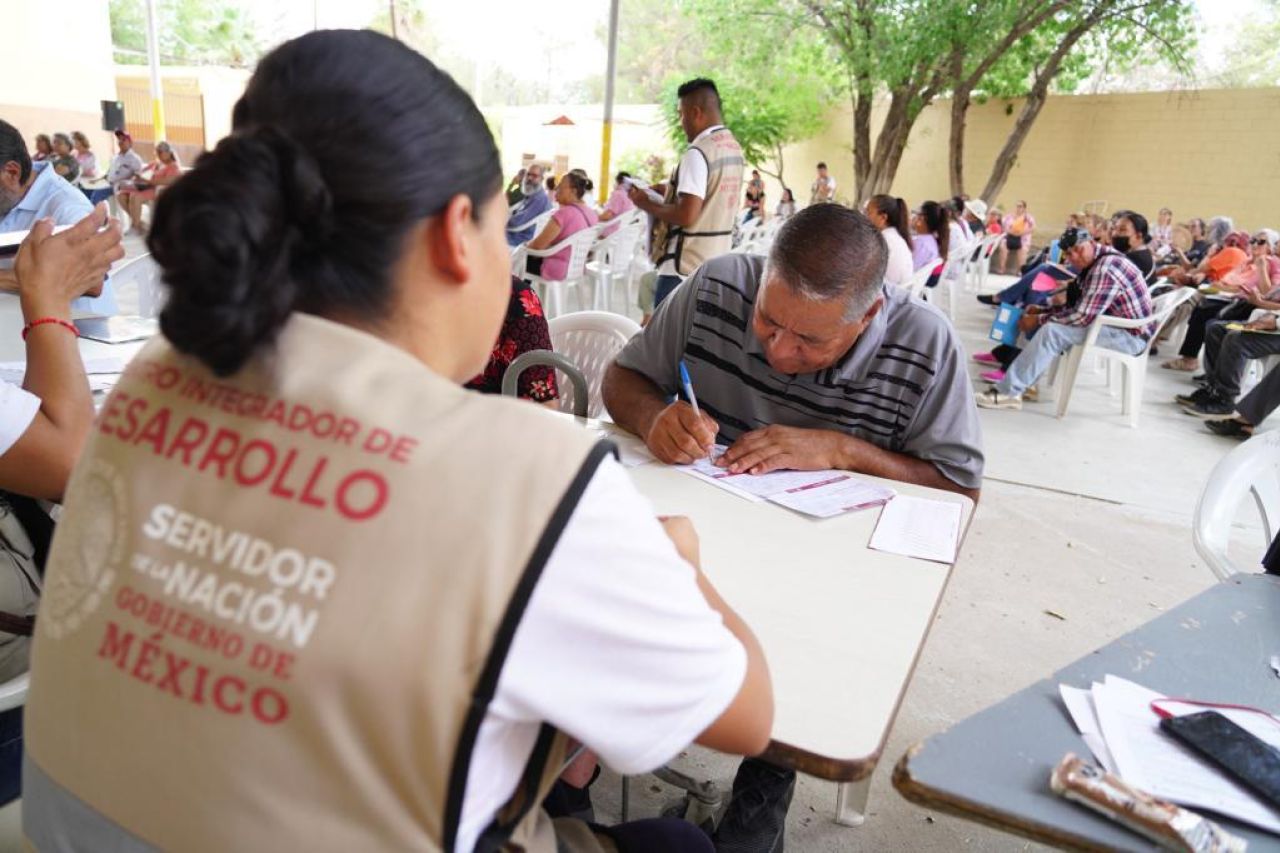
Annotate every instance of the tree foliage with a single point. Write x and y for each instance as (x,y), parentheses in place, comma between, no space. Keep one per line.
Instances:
(774,92)
(1254,58)
(192,32)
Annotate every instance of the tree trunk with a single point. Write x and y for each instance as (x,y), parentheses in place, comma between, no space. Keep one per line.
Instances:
(955,158)
(1008,156)
(861,143)
(962,87)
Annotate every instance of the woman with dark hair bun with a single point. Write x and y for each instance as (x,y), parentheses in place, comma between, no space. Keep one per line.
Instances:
(307,591)
(573,215)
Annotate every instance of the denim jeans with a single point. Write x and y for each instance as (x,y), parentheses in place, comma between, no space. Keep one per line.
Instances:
(1051,341)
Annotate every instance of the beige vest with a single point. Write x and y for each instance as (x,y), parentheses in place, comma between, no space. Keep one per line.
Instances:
(712,233)
(278,604)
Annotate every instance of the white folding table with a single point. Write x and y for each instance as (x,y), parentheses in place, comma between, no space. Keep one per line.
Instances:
(842,626)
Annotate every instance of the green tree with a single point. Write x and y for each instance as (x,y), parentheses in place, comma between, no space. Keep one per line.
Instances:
(1072,43)
(775,92)
(193,32)
(1252,59)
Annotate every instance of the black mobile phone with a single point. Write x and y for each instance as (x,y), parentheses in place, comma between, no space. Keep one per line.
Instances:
(1243,756)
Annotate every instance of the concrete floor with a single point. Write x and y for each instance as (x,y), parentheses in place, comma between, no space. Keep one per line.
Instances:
(1082,516)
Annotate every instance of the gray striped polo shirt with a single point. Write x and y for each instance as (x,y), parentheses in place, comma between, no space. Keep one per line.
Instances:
(902,385)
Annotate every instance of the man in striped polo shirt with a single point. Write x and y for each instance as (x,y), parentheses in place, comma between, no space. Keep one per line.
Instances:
(804,361)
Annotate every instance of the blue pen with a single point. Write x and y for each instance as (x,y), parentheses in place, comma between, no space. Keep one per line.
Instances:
(688,388)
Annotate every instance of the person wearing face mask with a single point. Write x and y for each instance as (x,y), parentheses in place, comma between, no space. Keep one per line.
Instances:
(1129,236)
(534,202)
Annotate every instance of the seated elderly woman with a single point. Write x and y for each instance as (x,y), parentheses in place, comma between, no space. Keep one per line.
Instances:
(44,148)
(84,155)
(160,172)
(572,216)
(1234,295)
(63,159)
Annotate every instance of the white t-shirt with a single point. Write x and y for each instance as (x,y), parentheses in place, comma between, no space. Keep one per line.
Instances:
(900,267)
(618,648)
(693,181)
(18,409)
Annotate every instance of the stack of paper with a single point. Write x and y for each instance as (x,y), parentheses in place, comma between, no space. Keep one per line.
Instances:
(103,372)
(822,494)
(1123,732)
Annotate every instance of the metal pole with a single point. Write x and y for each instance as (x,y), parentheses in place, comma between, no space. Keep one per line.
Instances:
(394,34)
(606,132)
(153,58)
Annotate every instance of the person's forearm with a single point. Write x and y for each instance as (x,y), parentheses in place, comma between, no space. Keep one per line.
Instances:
(55,374)
(633,400)
(865,458)
(756,694)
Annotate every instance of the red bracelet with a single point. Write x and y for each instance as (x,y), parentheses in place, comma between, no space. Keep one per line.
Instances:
(43,320)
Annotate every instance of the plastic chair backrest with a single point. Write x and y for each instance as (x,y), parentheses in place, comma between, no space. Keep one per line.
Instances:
(580,245)
(13,693)
(1251,470)
(518,256)
(143,273)
(591,340)
(1162,308)
(545,357)
(920,278)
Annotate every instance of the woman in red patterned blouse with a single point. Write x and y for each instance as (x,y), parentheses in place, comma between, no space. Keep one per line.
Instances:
(524,329)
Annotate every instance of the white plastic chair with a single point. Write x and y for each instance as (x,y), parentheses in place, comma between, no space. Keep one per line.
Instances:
(552,290)
(978,268)
(518,254)
(919,279)
(614,256)
(591,340)
(1250,470)
(13,693)
(1134,366)
(537,223)
(143,274)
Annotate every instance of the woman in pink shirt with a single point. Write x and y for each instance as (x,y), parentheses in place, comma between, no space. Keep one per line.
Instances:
(619,203)
(571,217)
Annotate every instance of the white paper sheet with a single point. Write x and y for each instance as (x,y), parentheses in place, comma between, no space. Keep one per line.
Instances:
(833,497)
(919,527)
(14,371)
(766,486)
(1151,760)
(1079,702)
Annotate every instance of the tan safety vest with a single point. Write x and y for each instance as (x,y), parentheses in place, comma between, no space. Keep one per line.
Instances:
(278,604)
(712,233)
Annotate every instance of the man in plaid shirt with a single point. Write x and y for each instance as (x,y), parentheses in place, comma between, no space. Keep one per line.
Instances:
(1109,285)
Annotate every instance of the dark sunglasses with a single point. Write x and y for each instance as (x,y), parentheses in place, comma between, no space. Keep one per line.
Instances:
(1259,241)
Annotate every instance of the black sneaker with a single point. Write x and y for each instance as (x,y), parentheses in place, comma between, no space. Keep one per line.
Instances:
(1196,397)
(988,299)
(1200,377)
(1231,428)
(756,821)
(1214,408)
